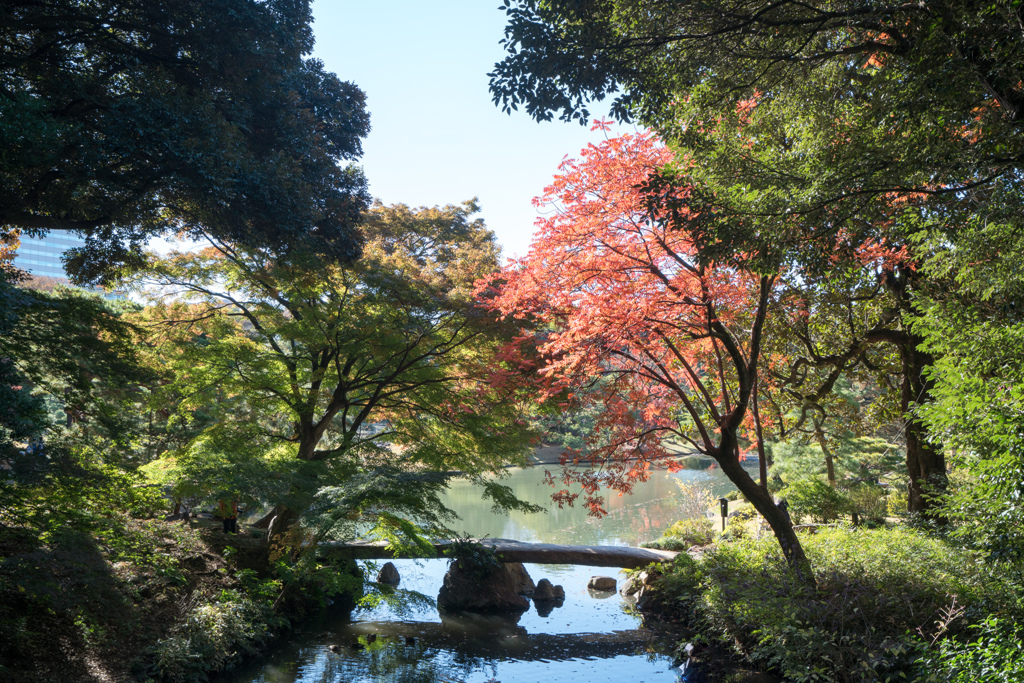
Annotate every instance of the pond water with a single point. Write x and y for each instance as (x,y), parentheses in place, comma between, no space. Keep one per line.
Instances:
(591,637)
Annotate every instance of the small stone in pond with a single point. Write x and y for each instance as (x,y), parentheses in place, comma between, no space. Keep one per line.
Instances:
(409,640)
(335,648)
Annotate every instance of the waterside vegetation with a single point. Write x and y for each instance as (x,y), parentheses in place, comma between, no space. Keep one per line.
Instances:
(808,256)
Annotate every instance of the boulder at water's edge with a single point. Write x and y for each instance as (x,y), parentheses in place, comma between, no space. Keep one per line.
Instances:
(497,591)
(389,574)
(601,583)
(545,591)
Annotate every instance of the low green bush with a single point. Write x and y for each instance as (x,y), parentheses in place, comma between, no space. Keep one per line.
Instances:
(996,655)
(695,531)
(663,543)
(211,636)
(883,597)
(815,499)
(735,529)
(867,500)
(685,534)
(896,503)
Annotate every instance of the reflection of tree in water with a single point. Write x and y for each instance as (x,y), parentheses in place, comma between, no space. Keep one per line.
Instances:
(635,522)
(638,517)
(393,660)
(457,648)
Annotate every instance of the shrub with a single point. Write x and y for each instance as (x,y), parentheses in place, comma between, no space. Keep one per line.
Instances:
(694,531)
(685,534)
(663,543)
(882,597)
(735,528)
(896,503)
(472,557)
(211,636)
(868,501)
(996,656)
(744,514)
(815,499)
(694,499)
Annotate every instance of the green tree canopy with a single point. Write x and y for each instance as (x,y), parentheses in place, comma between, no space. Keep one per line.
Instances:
(808,132)
(383,365)
(123,120)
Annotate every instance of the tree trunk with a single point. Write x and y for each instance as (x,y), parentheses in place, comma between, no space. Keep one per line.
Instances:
(830,466)
(777,518)
(264,521)
(926,464)
(762,463)
(279,521)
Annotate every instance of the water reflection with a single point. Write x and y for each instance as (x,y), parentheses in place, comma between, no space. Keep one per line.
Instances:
(631,519)
(586,636)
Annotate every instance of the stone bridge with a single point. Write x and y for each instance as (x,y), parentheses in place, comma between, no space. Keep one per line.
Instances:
(624,557)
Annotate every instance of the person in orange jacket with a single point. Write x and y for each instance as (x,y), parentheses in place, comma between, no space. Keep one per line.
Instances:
(228,511)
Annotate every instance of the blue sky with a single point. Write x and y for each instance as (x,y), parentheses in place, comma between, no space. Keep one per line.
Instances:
(437,138)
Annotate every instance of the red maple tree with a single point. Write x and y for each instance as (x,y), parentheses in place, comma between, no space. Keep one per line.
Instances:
(632,320)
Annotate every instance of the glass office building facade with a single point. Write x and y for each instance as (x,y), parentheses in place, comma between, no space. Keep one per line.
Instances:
(41,255)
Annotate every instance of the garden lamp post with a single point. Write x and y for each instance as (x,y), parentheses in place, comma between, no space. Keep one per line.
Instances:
(724,502)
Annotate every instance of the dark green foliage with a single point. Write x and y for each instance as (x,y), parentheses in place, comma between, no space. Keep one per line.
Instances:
(903,72)
(473,558)
(77,349)
(22,413)
(883,597)
(124,120)
(815,499)
(993,654)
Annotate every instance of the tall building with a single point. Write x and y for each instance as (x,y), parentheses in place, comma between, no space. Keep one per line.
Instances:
(41,255)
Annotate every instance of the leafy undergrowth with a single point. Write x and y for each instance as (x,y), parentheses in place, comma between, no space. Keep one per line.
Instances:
(685,534)
(891,604)
(124,599)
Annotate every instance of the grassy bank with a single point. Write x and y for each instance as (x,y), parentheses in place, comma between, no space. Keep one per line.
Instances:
(891,604)
(129,599)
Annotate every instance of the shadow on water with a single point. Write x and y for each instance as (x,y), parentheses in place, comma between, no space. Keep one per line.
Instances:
(588,637)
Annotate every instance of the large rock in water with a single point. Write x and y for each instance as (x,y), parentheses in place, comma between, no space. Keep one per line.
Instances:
(499,591)
(524,584)
(601,583)
(389,574)
(545,591)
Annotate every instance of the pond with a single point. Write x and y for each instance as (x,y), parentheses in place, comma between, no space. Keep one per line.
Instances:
(591,637)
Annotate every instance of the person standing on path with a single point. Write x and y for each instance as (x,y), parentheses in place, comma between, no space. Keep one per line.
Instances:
(228,510)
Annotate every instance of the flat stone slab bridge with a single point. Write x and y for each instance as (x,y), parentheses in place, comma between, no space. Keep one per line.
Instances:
(517,551)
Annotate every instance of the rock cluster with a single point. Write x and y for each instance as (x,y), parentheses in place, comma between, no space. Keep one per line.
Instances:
(639,589)
(546,591)
(502,590)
